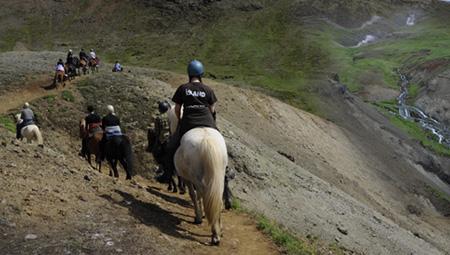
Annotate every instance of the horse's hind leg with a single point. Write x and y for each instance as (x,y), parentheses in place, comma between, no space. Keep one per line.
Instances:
(181,185)
(197,206)
(172,185)
(125,166)
(88,156)
(99,162)
(215,229)
(116,173)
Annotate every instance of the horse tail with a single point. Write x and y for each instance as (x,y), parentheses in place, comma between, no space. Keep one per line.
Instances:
(38,135)
(213,165)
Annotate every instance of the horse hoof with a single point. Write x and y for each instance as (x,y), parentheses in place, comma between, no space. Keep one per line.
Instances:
(197,222)
(215,241)
(128,177)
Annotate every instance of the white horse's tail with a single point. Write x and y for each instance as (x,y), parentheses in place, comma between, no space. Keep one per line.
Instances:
(38,135)
(213,165)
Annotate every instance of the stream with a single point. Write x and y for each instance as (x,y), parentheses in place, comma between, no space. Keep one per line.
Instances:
(408,112)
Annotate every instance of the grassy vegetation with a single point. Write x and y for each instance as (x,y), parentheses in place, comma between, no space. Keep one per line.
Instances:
(8,123)
(415,131)
(268,48)
(50,99)
(438,194)
(413,91)
(68,96)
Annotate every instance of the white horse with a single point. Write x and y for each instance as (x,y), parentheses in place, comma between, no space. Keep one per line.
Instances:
(30,132)
(201,160)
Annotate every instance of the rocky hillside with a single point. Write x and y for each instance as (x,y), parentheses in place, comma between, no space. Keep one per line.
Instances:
(300,170)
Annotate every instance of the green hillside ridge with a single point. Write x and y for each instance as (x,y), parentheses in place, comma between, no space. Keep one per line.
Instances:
(266,44)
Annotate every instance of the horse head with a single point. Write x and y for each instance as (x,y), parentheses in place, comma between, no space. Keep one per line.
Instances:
(18,119)
(82,126)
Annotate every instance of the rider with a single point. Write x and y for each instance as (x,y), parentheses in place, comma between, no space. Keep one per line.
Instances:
(92,54)
(161,135)
(83,55)
(93,123)
(60,63)
(111,127)
(27,117)
(59,68)
(117,67)
(198,102)
(69,58)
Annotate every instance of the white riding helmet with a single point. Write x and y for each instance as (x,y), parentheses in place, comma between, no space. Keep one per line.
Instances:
(110,108)
(70,50)
(26,105)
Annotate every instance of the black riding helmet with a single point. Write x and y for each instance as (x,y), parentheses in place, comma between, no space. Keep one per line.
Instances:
(163,106)
(90,108)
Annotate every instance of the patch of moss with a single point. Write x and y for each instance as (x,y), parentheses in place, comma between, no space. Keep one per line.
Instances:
(50,99)
(68,96)
(438,194)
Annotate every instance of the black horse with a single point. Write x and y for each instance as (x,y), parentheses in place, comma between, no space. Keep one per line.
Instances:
(118,148)
(76,63)
(158,151)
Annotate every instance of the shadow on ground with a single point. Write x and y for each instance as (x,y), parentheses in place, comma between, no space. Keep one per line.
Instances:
(152,215)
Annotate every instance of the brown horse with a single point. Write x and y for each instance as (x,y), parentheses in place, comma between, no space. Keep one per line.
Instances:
(59,79)
(93,144)
(93,65)
(84,65)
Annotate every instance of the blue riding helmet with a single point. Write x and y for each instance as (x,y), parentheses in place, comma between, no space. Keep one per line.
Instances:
(195,69)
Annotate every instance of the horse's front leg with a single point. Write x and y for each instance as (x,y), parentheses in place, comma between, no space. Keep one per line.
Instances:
(198,211)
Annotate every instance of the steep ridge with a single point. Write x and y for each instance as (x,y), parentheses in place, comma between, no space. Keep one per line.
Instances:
(294,167)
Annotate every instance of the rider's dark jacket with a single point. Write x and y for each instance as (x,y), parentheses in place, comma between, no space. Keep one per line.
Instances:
(93,120)
(111,125)
(83,55)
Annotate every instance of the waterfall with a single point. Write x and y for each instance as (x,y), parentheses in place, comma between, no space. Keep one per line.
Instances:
(407,112)
(411,20)
(368,39)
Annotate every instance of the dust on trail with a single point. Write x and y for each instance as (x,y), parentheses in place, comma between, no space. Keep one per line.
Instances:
(36,89)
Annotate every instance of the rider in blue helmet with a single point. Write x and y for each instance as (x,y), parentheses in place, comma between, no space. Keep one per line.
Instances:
(198,101)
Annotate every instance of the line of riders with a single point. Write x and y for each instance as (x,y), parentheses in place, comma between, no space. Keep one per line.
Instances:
(79,65)
(198,103)
(76,65)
